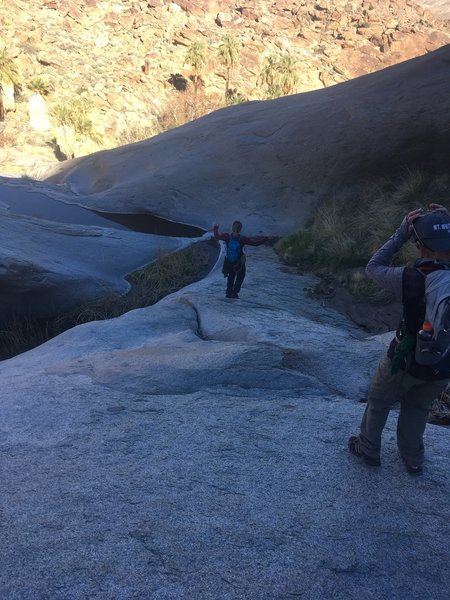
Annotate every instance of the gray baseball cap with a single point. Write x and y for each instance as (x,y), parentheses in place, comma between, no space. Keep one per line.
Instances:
(433,230)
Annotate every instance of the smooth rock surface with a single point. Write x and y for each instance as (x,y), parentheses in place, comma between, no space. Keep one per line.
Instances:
(197,449)
(270,163)
(47,266)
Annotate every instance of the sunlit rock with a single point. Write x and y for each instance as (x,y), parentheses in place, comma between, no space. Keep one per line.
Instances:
(7,92)
(38,113)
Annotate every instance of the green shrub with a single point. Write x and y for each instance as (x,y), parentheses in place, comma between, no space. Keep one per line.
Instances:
(344,233)
(38,86)
(76,115)
(328,241)
(233,97)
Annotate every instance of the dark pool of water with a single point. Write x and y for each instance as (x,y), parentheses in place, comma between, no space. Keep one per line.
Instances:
(39,205)
(147,223)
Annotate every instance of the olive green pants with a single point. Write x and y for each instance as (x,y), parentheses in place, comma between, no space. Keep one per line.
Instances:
(416,398)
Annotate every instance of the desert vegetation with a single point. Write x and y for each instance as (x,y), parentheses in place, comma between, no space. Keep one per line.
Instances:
(228,54)
(9,84)
(37,85)
(342,235)
(196,58)
(279,75)
(75,125)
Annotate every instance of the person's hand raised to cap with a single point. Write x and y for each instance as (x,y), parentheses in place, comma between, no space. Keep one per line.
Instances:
(414,214)
(438,208)
(419,212)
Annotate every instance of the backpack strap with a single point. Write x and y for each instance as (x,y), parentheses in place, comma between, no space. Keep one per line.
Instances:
(413,288)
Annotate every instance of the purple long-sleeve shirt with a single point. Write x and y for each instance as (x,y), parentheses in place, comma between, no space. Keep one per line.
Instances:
(379,269)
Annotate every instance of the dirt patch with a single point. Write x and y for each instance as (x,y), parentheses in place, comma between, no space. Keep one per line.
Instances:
(374,317)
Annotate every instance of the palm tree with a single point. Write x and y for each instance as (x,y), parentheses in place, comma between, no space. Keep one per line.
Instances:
(280,75)
(287,73)
(268,76)
(229,58)
(196,58)
(37,106)
(9,80)
(38,86)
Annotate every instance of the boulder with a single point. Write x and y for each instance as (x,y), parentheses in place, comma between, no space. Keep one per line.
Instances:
(38,113)
(271,163)
(47,267)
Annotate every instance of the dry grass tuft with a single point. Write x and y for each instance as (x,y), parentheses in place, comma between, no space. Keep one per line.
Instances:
(343,234)
(166,275)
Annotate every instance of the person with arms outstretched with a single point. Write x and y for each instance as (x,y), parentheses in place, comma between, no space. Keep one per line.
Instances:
(234,264)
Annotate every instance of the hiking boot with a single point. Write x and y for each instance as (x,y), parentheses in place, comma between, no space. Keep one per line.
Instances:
(229,295)
(412,466)
(235,295)
(354,446)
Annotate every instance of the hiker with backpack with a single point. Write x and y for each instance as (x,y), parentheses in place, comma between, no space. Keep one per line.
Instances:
(416,368)
(234,262)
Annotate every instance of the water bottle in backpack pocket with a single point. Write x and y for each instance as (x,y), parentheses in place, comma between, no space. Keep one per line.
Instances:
(426,346)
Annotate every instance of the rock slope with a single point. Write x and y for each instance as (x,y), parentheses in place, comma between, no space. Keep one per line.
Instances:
(440,8)
(268,163)
(196,449)
(271,163)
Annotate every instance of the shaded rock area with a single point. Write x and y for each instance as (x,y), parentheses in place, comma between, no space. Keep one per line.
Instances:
(196,449)
(268,164)
(373,317)
(48,266)
(271,163)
